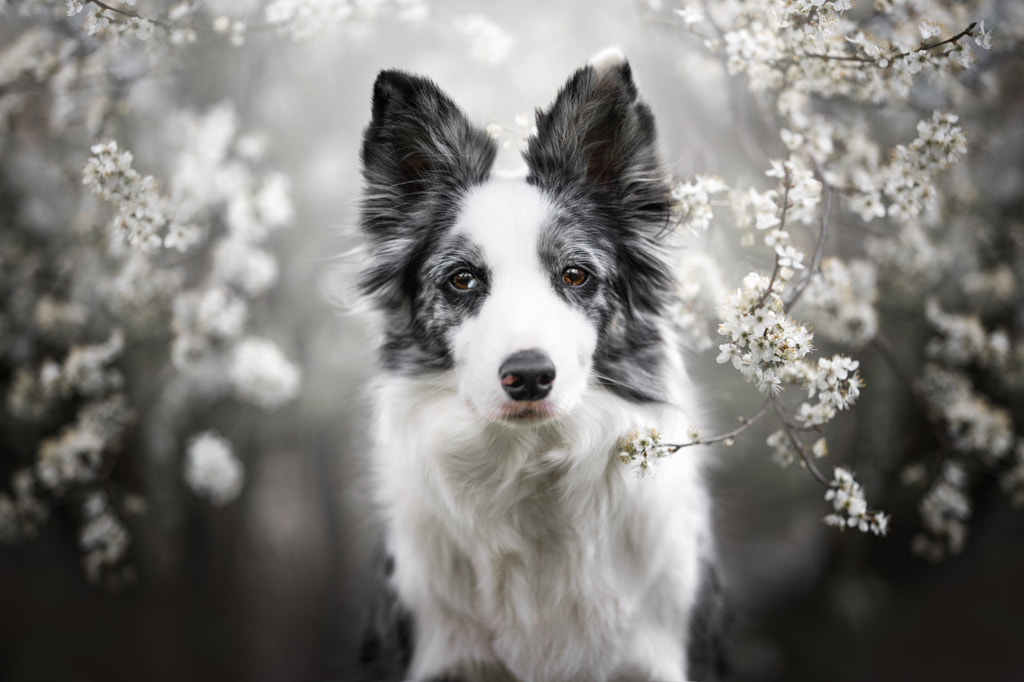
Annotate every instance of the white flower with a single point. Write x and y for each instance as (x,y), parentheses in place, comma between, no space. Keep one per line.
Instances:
(848,503)
(640,449)
(273,201)
(215,313)
(694,433)
(944,510)
(691,14)
(783,452)
(840,301)
(74,457)
(930,29)
(790,257)
(239,263)
(981,38)
(86,369)
(212,470)
(691,202)
(960,53)
(765,219)
(261,374)
(103,538)
(141,209)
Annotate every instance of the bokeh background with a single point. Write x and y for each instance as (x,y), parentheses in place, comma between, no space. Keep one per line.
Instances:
(270,586)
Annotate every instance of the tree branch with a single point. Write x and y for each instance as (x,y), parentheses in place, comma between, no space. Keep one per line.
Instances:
(798,444)
(819,249)
(745,423)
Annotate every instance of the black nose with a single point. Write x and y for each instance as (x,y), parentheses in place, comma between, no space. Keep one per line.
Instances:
(527,375)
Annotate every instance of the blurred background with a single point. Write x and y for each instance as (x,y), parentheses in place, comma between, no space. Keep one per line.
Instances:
(269,586)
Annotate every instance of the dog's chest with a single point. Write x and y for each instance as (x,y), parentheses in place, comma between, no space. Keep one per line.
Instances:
(560,587)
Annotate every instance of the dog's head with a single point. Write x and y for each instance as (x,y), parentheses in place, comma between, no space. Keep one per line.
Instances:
(532,290)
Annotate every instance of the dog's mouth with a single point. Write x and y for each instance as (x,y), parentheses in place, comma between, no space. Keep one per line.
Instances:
(528,411)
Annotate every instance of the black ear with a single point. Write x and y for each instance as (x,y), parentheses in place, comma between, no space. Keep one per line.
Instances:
(597,131)
(419,140)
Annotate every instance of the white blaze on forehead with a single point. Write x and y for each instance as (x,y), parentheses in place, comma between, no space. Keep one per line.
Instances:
(504,219)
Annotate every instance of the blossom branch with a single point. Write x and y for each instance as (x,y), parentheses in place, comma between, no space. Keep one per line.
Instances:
(966,32)
(117,10)
(129,13)
(798,444)
(778,258)
(745,423)
(819,249)
(884,62)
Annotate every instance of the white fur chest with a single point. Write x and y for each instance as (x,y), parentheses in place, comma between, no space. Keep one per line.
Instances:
(531,551)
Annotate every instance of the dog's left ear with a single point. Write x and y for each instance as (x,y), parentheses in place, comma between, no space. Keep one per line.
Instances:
(596,132)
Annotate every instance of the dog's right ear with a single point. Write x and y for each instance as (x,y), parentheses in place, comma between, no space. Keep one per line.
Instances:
(419,154)
(419,140)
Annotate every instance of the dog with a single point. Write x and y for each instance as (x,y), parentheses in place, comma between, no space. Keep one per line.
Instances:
(526,331)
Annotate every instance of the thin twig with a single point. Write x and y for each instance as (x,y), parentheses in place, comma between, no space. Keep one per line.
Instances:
(819,249)
(745,423)
(958,36)
(131,14)
(885,349)
(800,447)
(128,13)
(782,226)
(868,60)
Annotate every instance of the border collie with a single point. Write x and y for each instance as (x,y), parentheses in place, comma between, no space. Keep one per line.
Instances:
(525,333)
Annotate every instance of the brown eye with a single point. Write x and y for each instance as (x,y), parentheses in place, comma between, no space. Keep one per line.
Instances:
(464,280)
(574,276)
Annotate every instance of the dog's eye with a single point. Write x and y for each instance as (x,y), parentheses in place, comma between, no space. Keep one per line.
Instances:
(464,280)
(574,276)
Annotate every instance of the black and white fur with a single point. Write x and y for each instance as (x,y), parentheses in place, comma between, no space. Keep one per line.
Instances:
(525,333)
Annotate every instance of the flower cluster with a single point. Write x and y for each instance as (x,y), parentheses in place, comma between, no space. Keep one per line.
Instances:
(974,424)
(22,512)
(104,539)
(74,456)
(125,303)
(962,339)
(212,470)
(812,66)
(850,507)
(908,184)
(697,297)
(836,383)
(261,374)
(141,213)
(945,510)
(692,202)
(1012,480)
(640,449)
(783,452)
(840,301)
(816,47)
(763,341)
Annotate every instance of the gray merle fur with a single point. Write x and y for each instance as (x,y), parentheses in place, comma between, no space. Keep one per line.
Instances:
(420,155)
(595,154)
